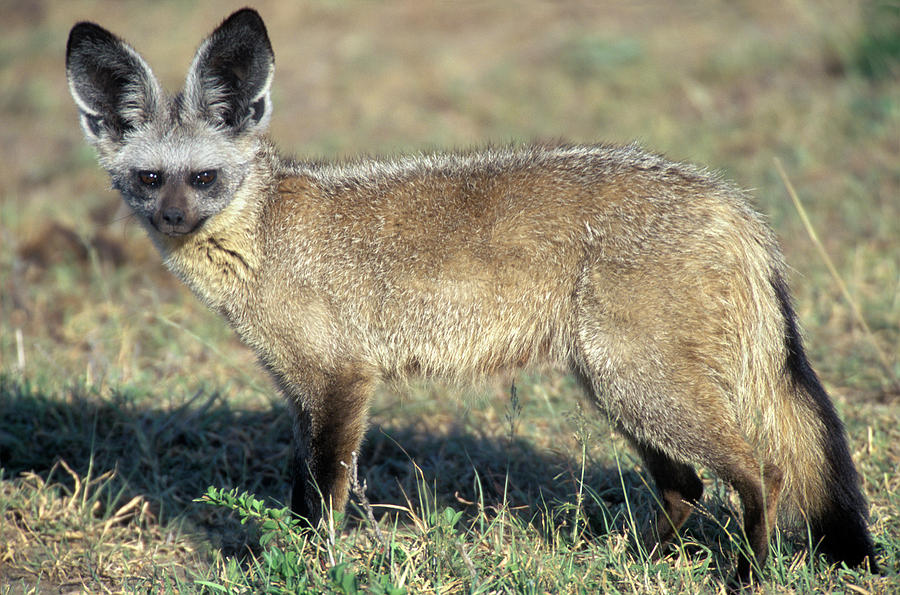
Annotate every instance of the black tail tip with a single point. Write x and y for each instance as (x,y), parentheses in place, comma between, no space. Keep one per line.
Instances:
(853,557)
(845,538)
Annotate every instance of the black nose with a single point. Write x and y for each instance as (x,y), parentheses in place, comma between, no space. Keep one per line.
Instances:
(173,216)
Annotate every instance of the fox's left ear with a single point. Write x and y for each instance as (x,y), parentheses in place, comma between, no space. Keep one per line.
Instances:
(229,79)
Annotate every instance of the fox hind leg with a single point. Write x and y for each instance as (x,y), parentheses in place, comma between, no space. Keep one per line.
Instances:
(679,488)
(726,453)
(759,498)
(671,422)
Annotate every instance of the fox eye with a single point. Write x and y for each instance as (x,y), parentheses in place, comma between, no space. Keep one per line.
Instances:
(150,178)
(201,179)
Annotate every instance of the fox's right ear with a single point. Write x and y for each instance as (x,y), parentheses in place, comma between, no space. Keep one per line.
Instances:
(114,88)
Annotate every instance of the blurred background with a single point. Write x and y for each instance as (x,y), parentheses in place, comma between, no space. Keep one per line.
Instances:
(89,315)
(731,85)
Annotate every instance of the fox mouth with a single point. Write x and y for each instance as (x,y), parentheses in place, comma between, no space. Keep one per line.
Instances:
(177,230)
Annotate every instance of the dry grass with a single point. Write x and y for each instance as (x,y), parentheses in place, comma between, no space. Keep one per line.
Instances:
(122,399)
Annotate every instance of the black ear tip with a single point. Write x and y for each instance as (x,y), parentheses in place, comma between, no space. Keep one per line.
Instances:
(87,32)
(244,29)
(246,17)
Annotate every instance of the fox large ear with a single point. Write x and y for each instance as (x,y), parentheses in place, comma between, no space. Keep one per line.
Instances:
(114,88)
(229,79)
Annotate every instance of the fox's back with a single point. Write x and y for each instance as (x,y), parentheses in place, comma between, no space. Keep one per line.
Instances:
(479,254)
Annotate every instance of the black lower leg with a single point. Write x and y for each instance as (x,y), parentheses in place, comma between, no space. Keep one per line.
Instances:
(679,488)
(304,494)
(760,503)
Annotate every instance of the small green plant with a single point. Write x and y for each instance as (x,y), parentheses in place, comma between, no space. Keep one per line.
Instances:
(294,558)
(280,534)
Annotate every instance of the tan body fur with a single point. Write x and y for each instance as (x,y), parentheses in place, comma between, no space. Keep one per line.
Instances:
(653,282)
(652,275)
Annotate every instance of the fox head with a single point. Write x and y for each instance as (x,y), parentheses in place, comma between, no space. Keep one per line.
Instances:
(177,160)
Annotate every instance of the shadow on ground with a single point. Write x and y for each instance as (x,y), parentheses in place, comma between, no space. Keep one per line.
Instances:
(170,456)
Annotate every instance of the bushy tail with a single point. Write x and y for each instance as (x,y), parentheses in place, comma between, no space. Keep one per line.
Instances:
(833,502)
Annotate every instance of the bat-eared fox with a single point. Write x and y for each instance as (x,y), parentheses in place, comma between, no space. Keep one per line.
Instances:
(654,283)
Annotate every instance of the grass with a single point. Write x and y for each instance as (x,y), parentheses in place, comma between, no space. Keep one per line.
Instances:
(142,449)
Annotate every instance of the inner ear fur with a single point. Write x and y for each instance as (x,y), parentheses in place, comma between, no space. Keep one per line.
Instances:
(111,84)
(229,80)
